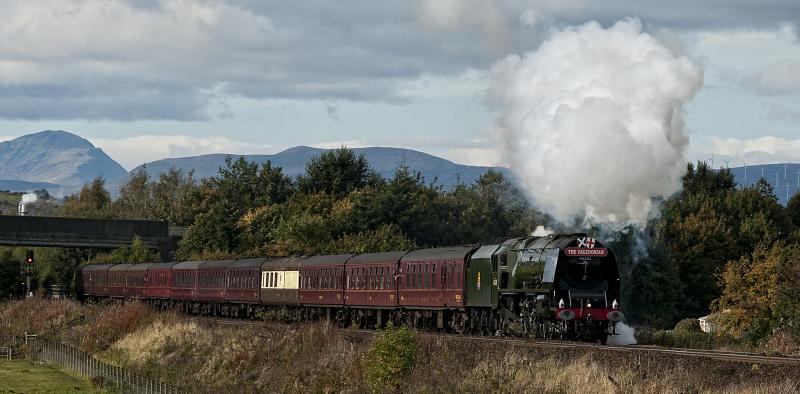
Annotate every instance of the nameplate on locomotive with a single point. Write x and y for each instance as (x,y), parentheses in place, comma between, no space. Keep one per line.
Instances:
(598,252)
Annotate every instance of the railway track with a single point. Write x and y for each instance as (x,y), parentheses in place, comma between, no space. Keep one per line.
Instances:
(750,358)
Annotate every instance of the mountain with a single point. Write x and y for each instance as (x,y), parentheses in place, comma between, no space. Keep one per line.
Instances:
(293,161)
(17,185)
(54,157)
(784,178)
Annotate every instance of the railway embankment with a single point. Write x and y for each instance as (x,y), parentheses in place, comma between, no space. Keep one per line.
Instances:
(273,357)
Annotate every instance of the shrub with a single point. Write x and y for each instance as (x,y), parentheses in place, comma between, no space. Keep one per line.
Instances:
(783,341)
(390,359)
(113,323)
(687,326)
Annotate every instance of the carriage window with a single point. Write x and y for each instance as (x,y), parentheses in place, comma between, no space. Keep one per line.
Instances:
(450,274)
(362,278)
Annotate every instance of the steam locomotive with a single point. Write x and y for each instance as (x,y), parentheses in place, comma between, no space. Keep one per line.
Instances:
(563,286)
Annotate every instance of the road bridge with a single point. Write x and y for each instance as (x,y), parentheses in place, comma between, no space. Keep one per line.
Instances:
(44,231)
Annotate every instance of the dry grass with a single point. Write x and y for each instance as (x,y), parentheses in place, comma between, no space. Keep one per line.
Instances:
(37,315)
(316,358)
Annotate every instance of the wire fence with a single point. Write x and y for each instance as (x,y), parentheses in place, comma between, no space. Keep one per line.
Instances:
(101,374)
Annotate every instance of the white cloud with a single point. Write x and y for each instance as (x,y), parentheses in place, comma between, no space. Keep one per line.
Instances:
(114,59)
(762,150)
(469,83)
(133,151)
(758,59)
(339,144)
(779,78)
(489,157)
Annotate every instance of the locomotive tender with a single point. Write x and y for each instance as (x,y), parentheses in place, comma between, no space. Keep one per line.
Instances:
(563,286)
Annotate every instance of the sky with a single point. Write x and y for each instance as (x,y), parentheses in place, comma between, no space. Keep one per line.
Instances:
(149,79)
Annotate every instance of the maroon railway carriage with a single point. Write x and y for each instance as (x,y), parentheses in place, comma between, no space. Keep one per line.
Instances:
(117,280)
(322,280)
(243,280)
(94,280)
(136,283)
(433,278)
(183,284)
(211,280)
(159,280)
(371,280)
(280,281)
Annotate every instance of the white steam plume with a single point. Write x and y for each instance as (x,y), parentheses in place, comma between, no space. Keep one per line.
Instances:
(28,198)
(593,121)
(625,335)
(542,231)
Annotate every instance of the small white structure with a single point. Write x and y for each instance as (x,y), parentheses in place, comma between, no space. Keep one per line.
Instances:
(707,324)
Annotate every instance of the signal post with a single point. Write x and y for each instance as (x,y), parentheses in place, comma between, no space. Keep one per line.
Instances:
(28,272)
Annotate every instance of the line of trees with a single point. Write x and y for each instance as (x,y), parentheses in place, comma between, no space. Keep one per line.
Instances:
(723,249)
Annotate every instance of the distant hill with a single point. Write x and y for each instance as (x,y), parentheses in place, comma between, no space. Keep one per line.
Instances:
(783,177)
(56,160)
(293,161)
(15,185)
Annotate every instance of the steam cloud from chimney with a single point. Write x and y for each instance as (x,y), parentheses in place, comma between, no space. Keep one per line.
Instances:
(28,198)
(593,121)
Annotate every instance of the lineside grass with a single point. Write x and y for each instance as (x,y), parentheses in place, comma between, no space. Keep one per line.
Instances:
(26,377)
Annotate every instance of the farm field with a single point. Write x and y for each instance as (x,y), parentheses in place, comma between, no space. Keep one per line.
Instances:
(26,377)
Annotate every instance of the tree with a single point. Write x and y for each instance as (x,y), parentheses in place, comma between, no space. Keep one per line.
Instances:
(175,196)
(239,188)
(419,210)
(137,253)
(337,172)
(655,288)
(135,200)
(760,292)
(65,266)
(11,277)
(385,239)
(93,201)
(793,210)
